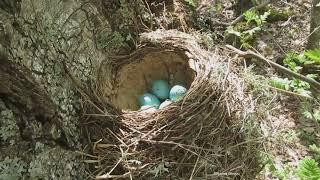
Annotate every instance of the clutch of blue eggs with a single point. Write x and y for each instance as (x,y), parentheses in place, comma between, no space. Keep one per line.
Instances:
(161,95)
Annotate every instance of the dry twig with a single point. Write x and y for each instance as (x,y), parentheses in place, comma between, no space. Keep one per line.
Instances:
(313,83)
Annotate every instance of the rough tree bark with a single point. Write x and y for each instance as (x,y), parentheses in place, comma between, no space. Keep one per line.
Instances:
(28,100)
(37,148)
(314,38)
(39,109)
(10,6)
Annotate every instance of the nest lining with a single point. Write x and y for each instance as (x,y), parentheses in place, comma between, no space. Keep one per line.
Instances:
(135,78)
(195,137)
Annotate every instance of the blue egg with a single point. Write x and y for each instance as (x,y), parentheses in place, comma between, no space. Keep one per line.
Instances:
(161,89)
(149,100)
(177,92)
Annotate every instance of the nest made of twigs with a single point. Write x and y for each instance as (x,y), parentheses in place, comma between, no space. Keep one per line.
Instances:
(201,136)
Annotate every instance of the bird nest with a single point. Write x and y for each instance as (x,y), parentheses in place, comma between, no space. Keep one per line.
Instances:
(200,136)
(135,77)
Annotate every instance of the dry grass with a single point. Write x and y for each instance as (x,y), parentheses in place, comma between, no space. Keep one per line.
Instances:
(202,136)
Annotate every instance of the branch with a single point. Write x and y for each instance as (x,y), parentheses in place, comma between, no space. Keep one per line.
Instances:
(291,93)
(315,84)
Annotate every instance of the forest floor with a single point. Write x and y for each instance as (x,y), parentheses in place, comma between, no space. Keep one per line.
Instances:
(290,135)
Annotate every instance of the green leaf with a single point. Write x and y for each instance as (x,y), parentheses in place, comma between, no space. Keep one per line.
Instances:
(301,59)
(252,15)
(281,83)
(294,61)
(290,60)
(230,30)
(307,114)
(312,76)
(297,84)
(314,55)
(159,170)
(252,31)
(314,148)
(308,169)
(263,18)
(316,151)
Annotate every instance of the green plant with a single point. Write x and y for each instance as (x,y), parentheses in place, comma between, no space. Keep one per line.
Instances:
(294,85)
(246,37)
(310,112)
(313,55)
(316,151)
(308,169)
(307,136)
(279,14)
(280,171)
(253,16)
(247,33)
(295,62)
(312,115)
(281,83)
(159,169)
(284,172)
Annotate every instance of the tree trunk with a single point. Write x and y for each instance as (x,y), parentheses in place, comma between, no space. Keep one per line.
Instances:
(29,101)
(314,38)
(10,6)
